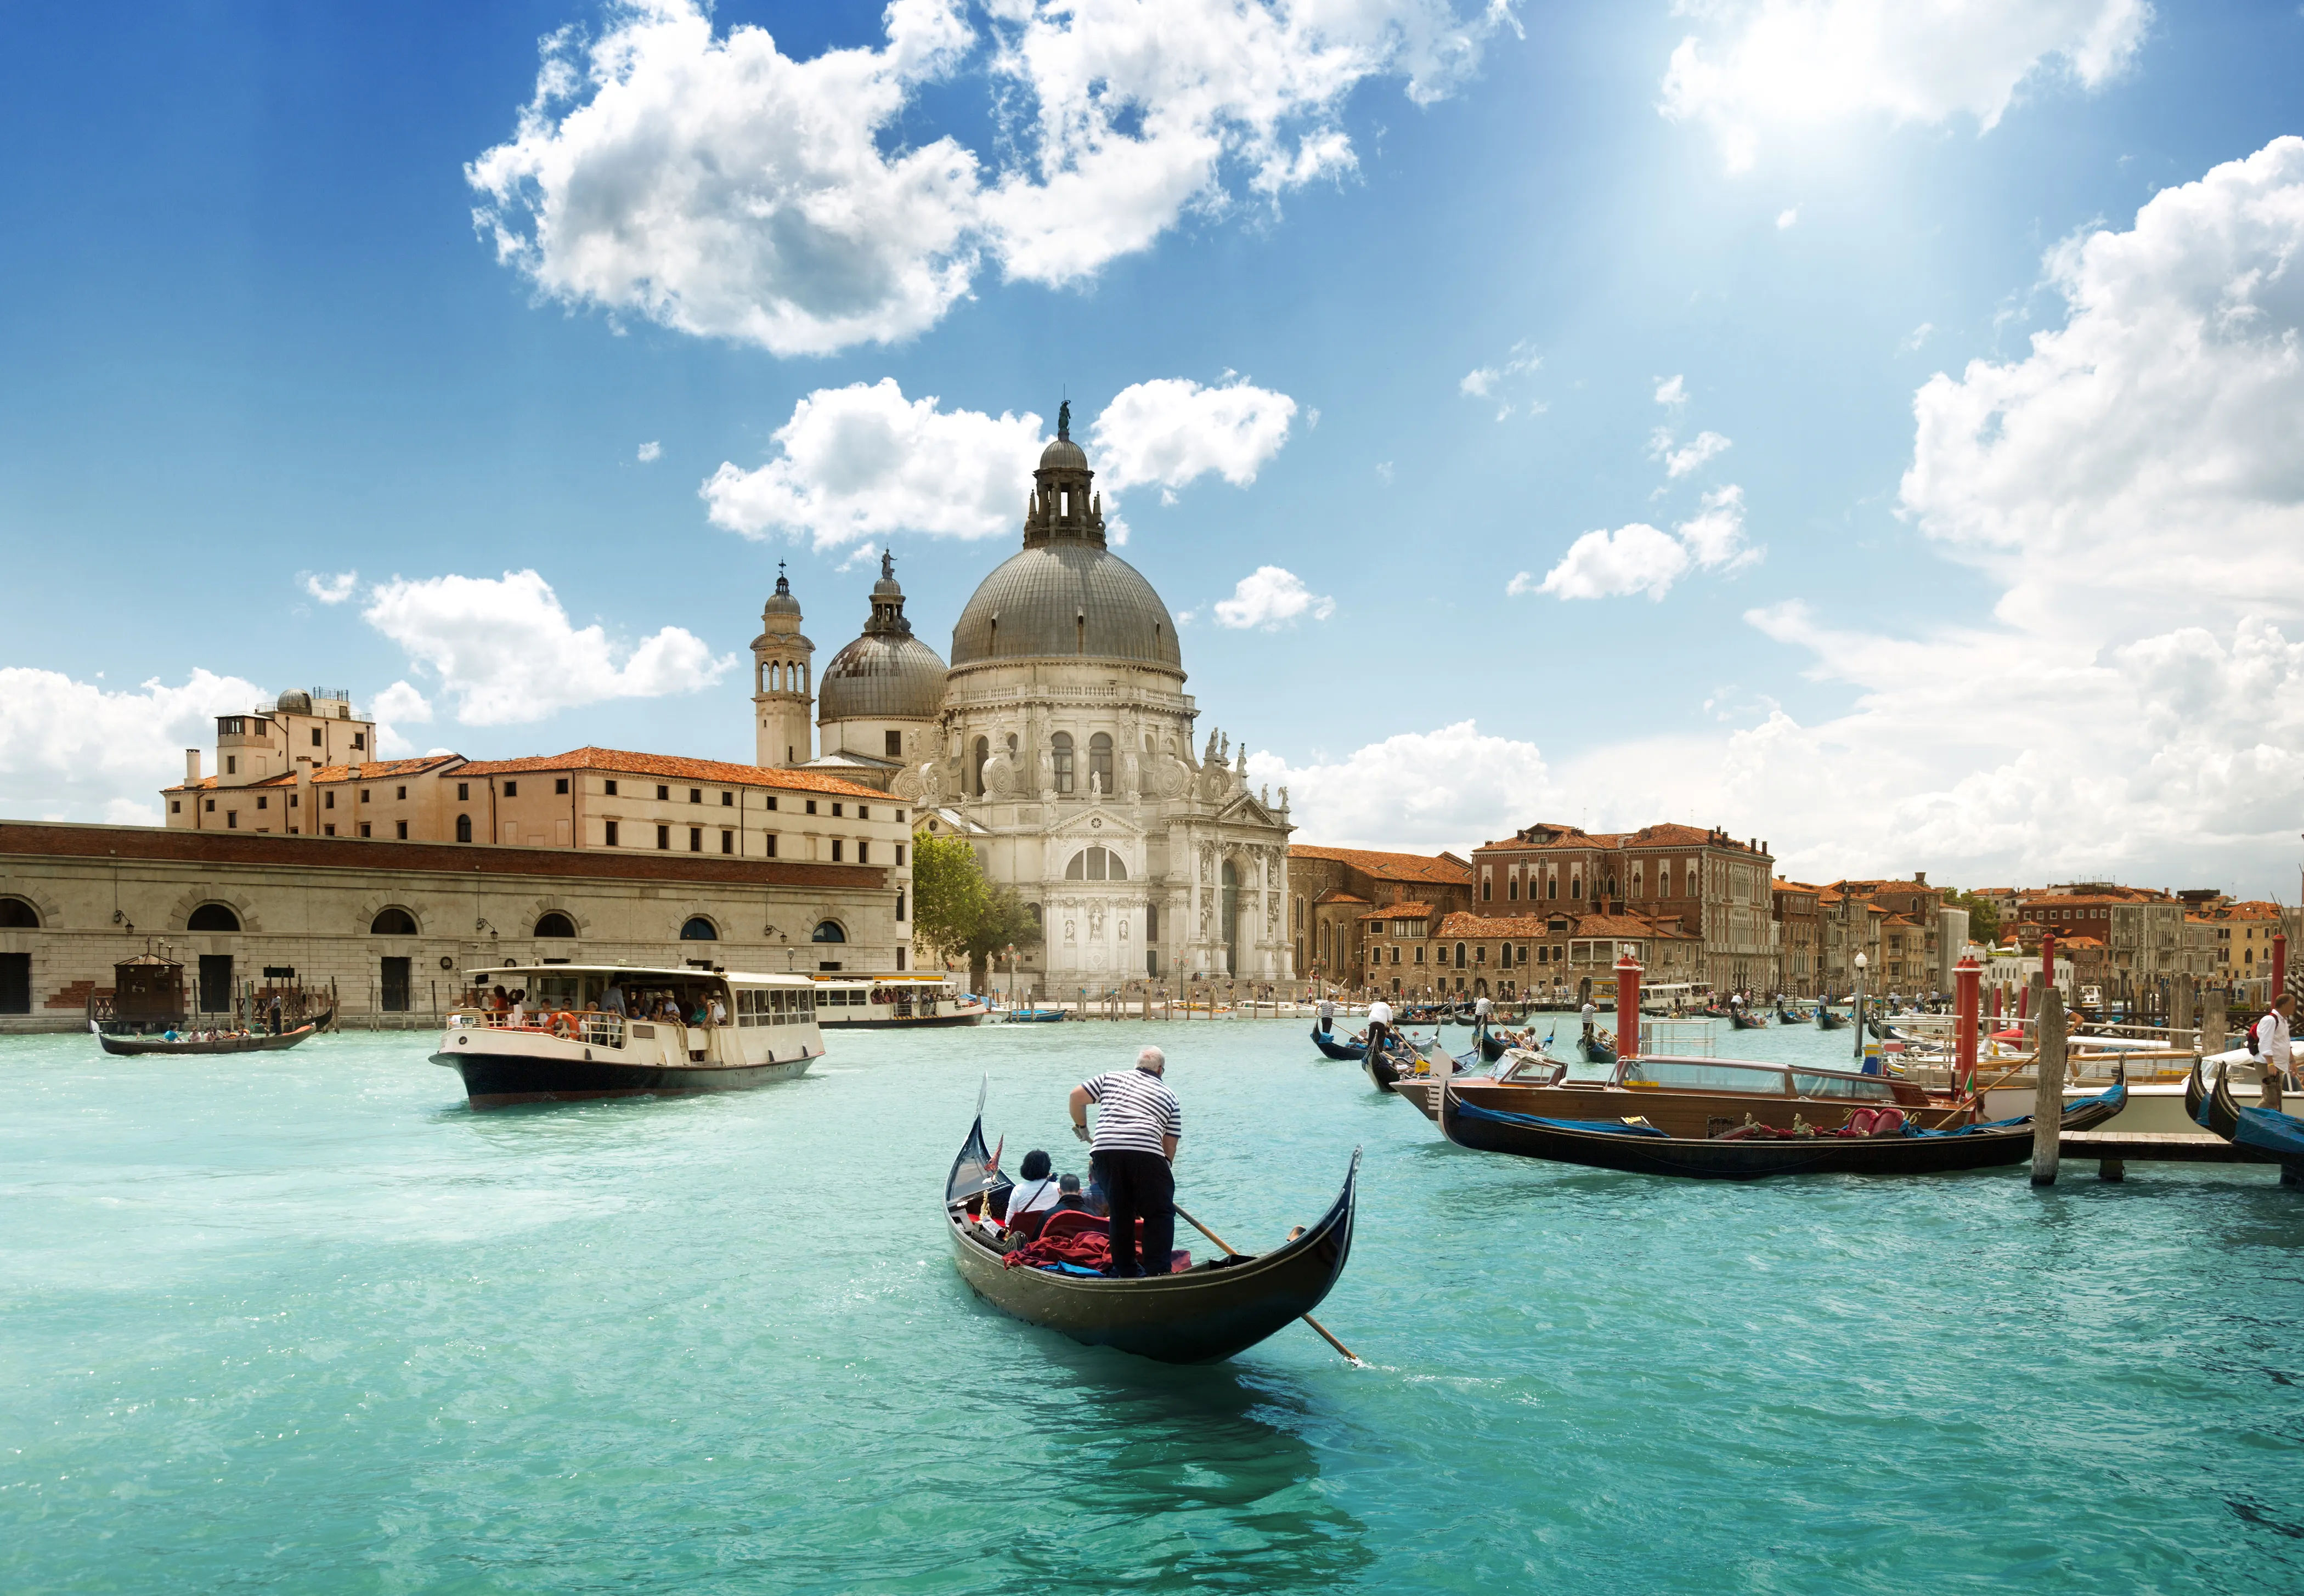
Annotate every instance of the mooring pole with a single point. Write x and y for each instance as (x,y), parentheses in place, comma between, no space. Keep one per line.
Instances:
(1965,977)
(1628,1004)
(2048,1089)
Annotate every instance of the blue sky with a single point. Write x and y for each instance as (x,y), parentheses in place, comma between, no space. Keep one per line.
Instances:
(1380,309)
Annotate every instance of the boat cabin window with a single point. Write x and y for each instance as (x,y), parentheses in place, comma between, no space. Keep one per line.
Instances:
(1687,1076)
(1869,1087)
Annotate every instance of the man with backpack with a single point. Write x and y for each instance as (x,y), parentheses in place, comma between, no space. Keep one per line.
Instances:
(2269,1041)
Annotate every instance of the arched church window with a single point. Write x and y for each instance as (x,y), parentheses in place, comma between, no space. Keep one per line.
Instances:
(1061,756)
(983,756)
(1099,763)
(1096,863)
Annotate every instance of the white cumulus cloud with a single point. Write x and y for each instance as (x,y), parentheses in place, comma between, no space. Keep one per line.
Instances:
(1680,461)
(1453,788)
(398,705)
(332,590)
(650,452)
(505,651)
(709,182)
(77,750)
(1759,63)
(1270,597)
(1640,558)
(1672,390)
(864,462)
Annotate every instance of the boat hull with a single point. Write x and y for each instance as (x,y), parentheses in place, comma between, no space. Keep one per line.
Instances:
(974,1017)
(138,1047)
(1200,1316)
(494,1080)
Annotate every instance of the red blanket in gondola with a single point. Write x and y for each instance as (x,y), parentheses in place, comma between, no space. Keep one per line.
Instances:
(1089,1250)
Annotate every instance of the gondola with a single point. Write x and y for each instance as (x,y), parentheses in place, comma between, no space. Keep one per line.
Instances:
(1826,1020)
(1638,1148)
(1382,1066)
(1742,1020)
(1595,1051)
(1199,1315)
(1350,1053)
(2266,1130)
(1492,1046)
(133,1047)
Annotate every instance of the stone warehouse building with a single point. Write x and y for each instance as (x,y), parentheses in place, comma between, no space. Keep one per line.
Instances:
(393,927)
(1340,894)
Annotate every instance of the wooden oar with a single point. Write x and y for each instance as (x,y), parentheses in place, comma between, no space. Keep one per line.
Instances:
(1234,1252)
(1977,1096)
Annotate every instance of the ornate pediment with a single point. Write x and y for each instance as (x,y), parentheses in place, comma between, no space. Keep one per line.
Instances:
(1244,810)
(1097,823)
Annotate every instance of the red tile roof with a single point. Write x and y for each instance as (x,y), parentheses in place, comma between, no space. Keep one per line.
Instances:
(1400,911)
(1334,896)
(378,769)
(1390,866)
(622,762)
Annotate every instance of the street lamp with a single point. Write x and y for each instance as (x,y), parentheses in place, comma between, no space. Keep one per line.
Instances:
(1860,963)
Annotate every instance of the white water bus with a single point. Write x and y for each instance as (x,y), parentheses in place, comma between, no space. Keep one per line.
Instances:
(912,1000)
(684,1030)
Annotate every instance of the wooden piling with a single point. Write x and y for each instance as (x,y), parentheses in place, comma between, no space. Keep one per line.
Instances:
(2049,1091)
(2112,1169)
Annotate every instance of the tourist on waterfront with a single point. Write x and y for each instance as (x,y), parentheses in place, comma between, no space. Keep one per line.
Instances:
(612,1001)
(1137,1127)
(2269,1040)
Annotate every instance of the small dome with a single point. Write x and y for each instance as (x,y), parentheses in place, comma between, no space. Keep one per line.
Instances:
(882,677)
(782,602)
(1074,599)
(294,704)
(1063,455)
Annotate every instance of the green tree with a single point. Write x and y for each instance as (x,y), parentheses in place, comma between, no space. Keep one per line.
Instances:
(956,913)
(1983,917)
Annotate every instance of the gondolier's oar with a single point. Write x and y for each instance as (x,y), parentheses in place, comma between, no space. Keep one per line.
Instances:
(1234,1252)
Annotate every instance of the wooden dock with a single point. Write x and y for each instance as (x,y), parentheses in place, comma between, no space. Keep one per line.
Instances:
(2116,1149)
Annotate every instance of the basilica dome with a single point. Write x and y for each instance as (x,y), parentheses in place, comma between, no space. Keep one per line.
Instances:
(887,674)
(1065,593)
(1071,598)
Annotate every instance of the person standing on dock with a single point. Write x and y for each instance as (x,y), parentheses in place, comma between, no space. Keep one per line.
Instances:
(1137,1127)
(2269,1040)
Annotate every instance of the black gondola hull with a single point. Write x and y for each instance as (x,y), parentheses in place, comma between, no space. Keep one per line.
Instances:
(1348,1052)
(1755,1158)
(1202,1316)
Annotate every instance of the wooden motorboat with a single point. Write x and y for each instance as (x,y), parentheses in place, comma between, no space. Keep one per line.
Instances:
(1637,1146)
(1203,1314)
(1697,1097)
(1350,1052)
(134,1047)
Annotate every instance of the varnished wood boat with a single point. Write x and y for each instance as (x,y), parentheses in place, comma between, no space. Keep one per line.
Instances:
(138,1047)
(1646,1150)
(1203,1315)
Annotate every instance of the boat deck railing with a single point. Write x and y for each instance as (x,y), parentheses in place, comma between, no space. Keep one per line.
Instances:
(594,1030)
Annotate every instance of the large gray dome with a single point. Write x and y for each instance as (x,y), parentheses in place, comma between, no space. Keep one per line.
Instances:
(887,674)
(1069,597)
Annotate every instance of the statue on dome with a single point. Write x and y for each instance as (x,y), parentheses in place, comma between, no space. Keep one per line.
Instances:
(1065,422)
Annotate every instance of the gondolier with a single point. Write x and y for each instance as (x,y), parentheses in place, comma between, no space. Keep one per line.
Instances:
(1328,1014)
(1379,1030)
(1137,1127)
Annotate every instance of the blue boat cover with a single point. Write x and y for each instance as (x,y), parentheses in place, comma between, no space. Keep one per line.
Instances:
(1473,1110)
(2271,1131)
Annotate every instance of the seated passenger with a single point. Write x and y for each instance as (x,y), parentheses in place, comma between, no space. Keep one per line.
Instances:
(1029,1203)
(1069,1199)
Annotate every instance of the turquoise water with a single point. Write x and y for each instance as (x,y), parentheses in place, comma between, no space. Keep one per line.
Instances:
(304,1323)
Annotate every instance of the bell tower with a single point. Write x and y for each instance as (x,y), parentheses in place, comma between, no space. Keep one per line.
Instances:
(781,682)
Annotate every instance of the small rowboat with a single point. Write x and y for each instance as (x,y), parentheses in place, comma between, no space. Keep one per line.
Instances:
(1035,1017)
(1638,1148)
(1350,1053)
(1200,1316)
(133,1047)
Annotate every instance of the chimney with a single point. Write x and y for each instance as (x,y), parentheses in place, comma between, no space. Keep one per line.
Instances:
(1920,878)
(191,766)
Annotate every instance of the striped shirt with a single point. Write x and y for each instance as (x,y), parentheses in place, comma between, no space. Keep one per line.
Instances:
(1137,1109)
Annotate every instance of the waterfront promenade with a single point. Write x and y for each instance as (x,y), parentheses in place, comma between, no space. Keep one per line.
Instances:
(312,1322)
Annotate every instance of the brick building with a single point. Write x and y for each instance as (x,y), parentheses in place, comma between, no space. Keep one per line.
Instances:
(1333,889)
